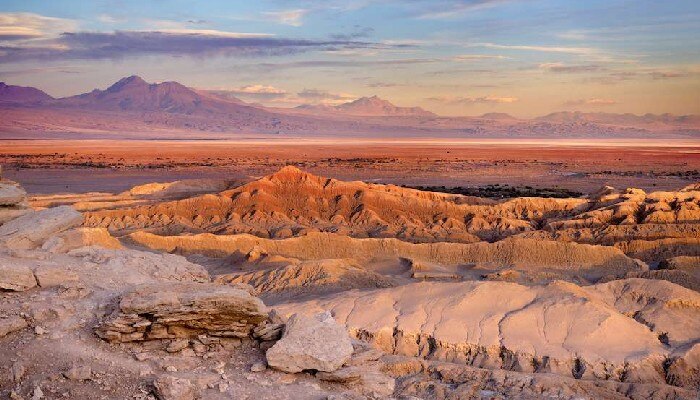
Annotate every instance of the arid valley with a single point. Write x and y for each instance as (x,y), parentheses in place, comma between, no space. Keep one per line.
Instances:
(539,282)
(350,200)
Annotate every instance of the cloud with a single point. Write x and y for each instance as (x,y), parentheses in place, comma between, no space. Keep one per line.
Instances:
(476,57)
(109,19)
(595,101)
(384,84)
(358,33)
(174,42)
(287,17)
(658,75)
(255,92)
(454,8)
(23,26)
(569,69)
(457,100)
(258,89)
(545,49)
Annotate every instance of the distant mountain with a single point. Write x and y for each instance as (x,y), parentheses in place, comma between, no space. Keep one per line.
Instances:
(619,119)
(21,94)
(135,94)
(369,107)
(135,108)
(498,116)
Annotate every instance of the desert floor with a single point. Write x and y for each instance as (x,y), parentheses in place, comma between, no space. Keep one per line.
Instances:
(53,166)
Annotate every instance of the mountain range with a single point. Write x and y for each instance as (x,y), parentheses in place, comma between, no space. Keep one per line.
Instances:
(135,108)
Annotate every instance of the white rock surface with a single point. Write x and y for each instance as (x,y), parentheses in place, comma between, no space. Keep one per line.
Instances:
(311,343)
(11,194)
(32,230)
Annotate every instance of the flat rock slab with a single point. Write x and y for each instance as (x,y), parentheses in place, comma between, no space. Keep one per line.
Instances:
(11,194)
(15,277)
(311,343)
(183,310)
(33,229)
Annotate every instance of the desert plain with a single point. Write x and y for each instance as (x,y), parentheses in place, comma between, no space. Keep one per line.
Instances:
(341,269)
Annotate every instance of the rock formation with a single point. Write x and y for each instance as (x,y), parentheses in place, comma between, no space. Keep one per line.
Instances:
(314,342)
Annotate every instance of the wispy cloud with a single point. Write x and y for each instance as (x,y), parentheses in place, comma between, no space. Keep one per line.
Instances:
(477,57)
(569,69)
(23,26)
(287,17)
(545,49)
(595,101)
(454,8)
(455,100)
(188,42)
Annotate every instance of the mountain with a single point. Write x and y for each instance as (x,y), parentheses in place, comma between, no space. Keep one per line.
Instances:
(374,106)
(135,108)
(135,94)
(369,107)
(627,119)
(21,94)
(498,116)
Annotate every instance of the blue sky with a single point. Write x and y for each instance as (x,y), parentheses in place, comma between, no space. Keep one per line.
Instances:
(454,57)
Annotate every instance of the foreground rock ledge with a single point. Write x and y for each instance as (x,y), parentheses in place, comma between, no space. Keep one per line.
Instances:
(183,310)
(33,229)
(311,343)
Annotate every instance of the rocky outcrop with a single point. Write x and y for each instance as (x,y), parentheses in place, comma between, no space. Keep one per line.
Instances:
(11,194)
(13,201)
(80,237)
(11,324)
(579,332)
(314,342)
(315,276)
(593,261)
(15,277)
(182,310)
(33,229)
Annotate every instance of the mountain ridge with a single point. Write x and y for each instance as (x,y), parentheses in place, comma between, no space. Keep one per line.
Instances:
(133,105)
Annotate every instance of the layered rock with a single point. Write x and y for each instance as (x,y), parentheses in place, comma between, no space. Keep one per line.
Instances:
(182,310)
(13,201)
(590,261)
(316,276)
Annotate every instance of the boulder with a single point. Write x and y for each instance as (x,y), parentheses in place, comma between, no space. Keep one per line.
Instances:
(183,310)
(11,194)
(33,229)
(311,343)
(14,277)
(172,388)
(11,324)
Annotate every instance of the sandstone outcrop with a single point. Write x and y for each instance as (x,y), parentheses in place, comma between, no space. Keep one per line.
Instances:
(33,229)
(315,276)
(580,332)
(15,277)
(11,194)
(182,310)
(293,203)
(81,237)
(315,342)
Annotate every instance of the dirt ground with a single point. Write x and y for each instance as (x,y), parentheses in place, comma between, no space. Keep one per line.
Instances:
(46,166)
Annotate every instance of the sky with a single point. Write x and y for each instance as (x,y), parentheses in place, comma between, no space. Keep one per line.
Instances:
(452,57)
